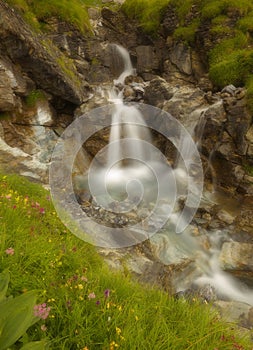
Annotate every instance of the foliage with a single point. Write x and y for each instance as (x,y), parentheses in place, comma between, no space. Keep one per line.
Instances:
(36,12)
(16,316)
(187,33)
(91,307)
(149,15)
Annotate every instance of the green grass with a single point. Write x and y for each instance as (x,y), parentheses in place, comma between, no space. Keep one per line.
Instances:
(148,14)
(65,272)
(36,12)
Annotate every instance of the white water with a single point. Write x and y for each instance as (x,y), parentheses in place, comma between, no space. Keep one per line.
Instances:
(118,177)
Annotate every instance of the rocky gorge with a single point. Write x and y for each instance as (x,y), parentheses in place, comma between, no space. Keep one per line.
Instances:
(48,79)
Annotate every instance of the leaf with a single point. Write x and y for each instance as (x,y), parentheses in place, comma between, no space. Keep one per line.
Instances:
(16,317)
(4,281)
(35,345)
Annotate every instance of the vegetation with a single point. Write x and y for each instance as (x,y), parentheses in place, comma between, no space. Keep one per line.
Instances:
(17,315)
(231,32)
(148,14)
(81,303)
(33,97)
(37,12)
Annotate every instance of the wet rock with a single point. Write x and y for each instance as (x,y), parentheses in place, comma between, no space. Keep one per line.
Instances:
(236,257)
(157,91)
(225,217)
(229,89)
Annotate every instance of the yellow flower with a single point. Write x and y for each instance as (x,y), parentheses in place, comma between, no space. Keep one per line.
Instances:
(136,318)
(81,298)
(120,308)
(118,330)
(80,286)
(85,348)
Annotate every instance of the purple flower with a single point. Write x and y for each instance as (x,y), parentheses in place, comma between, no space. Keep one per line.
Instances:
(107,293)
(98,302)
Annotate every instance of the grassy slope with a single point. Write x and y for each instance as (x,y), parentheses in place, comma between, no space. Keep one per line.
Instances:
(64,271)
(231,59)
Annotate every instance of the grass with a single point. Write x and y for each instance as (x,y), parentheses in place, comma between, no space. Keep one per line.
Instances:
(148,14)
(92,307)
(36,12)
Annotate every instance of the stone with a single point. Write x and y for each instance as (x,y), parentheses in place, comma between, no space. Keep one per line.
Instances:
(157,91)
(180,56)
(224,216)
(237,257)
(235,312)
(147,59)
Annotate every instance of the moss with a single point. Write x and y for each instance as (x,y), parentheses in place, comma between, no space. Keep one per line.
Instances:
(33,97)
(149,15)
(183,7)
(213,9)
(245,24)
(248,169)
(4,115)
(187,33)
(226,47)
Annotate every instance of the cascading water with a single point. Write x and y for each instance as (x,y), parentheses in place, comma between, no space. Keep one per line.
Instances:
(130,163)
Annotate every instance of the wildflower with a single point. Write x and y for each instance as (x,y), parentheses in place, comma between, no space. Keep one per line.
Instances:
(80,286)
(43,328)
(42,210)
(113,345)
(41,311)
(8,196)
(85,348)
(107,293)
(10,251)
(83,278)
(14,207)
(91,296)
(118,330)
(98,302)
(136,318)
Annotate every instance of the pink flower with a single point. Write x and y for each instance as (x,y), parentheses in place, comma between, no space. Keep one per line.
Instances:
(41,311)
(91,296)
(10,251)
(42,210)
(107,293)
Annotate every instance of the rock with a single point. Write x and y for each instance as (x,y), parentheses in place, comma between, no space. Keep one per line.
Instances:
(229,89)
(157,91)
(147,59)
(41,60)
(181,57)
(236,312)
(224,216)
(236,257)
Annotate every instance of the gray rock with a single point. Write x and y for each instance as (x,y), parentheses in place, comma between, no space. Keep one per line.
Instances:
(234,311)
(147,59)
(237,257)
(181,57)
